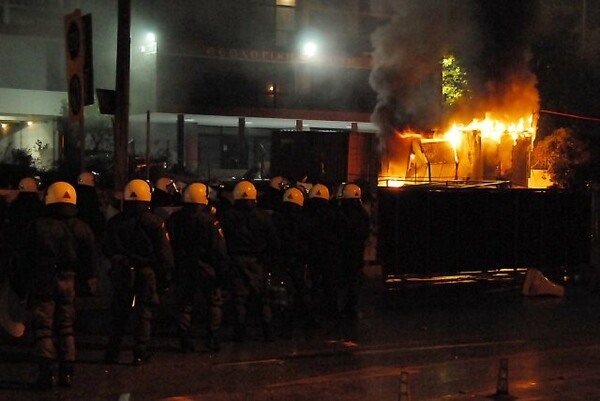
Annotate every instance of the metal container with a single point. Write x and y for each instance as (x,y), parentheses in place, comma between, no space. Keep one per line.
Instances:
(428,232)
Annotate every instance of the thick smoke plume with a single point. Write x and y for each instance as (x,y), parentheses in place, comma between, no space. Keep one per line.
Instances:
(490,38)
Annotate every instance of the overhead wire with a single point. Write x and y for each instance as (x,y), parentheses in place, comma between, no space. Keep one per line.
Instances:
(570,115)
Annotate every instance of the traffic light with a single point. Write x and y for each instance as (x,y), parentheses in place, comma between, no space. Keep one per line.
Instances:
(80,82)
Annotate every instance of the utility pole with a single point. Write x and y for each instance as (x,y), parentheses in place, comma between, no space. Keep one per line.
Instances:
(122,94)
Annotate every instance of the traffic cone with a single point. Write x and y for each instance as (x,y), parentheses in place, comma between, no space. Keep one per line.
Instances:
(537,284)
(404,393)
(502,388)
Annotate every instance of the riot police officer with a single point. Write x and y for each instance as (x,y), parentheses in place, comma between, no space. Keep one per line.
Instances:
(294,238)
(88,203)
(201,263)
(271,198)
(56,248)
(323,221)
(137,244)
(27,207)
(355,229)
(252,243)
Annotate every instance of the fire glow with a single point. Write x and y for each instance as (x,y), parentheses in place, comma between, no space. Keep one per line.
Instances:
(484,149)
(493,129)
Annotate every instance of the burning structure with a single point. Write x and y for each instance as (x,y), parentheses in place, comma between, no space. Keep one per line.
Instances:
(484,127)
(487,150)
(481,131)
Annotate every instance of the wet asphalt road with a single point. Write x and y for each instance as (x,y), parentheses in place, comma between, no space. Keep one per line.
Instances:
(450,346)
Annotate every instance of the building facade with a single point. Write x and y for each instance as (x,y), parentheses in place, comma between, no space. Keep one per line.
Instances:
(260,66)
(207,92)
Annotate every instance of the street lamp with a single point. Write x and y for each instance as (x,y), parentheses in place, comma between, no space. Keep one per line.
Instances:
(310,49)
(149,46)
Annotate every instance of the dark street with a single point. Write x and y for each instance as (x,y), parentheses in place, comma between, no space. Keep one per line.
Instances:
(449,344)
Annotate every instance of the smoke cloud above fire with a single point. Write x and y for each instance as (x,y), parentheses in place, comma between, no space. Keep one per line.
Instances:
(491,40)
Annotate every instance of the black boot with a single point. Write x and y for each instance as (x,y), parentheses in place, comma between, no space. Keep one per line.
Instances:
(46,379)
(65,374)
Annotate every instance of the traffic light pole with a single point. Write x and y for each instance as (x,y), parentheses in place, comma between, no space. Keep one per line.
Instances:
(122,94)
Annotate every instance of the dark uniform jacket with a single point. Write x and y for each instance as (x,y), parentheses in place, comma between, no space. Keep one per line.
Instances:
(355,228)
(90,209)
(270,199)
(197,238)
(57,242)
(249,230)
(139,236)
(21,212)
(160,198)
(16,218)
(293,233)
(324,224)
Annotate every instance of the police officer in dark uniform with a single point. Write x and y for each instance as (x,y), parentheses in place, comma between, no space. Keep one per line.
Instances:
(201,263)
(323,221)
(88,203)
(293,236)
(27,207)
(355,229)
(137,244)
(252,243)
(161,195)
(271,198)
(56,248)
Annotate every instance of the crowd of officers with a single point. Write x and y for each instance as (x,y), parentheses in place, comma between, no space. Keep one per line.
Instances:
(290,256)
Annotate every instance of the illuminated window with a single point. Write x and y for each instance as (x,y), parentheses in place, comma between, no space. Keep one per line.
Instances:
(286,3)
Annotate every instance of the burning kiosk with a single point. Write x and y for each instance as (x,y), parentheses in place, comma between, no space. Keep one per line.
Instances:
(456,210)
(453,203)
(481,151)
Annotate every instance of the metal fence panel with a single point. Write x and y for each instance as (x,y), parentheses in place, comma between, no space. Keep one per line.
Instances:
(439,231)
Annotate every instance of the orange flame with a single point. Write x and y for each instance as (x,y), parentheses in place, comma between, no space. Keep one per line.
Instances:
(408,161)
(494,128)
